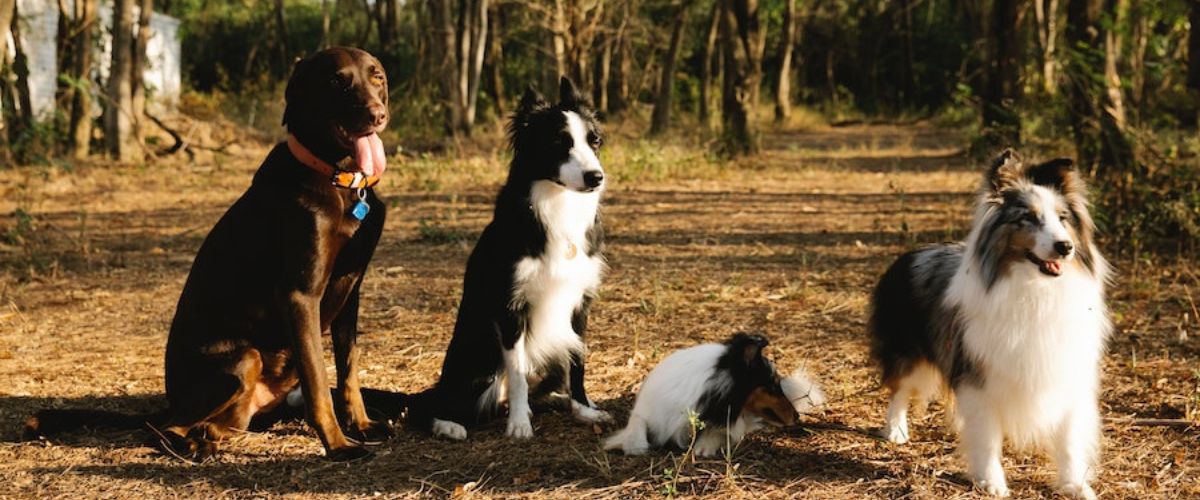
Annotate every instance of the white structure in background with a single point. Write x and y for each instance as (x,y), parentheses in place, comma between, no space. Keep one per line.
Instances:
(39,38)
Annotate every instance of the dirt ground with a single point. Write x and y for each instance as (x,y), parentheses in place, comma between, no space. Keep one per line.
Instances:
(789,242)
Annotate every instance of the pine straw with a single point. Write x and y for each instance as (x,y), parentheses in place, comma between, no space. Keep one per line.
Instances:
(789,243)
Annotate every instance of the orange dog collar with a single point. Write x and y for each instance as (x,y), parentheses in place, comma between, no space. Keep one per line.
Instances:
(337,177)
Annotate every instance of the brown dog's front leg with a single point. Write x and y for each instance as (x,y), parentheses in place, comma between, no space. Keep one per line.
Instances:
(305,311)
(345,355)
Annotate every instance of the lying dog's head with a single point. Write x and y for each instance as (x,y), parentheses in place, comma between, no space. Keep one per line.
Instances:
(1034,215)
(558,142)
(337,103)
(755,374)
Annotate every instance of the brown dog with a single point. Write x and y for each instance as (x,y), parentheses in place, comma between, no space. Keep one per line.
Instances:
(281,267)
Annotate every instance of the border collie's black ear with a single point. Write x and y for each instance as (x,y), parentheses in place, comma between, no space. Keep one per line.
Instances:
(531,100)
(1058,173)
(568,96)
(749,345)
(1004,170)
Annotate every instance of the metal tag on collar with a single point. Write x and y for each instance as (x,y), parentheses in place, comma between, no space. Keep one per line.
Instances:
(361,208)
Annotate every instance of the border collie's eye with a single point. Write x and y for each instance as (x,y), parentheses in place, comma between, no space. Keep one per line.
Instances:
(594,140)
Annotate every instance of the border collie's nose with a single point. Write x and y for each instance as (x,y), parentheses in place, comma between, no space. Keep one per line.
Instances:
(593,178)
(1063,248)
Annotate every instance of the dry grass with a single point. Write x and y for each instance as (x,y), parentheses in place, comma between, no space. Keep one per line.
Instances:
(789,242)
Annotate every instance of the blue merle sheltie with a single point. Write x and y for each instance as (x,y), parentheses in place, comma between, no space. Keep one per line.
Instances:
(1013,322)
(529,281)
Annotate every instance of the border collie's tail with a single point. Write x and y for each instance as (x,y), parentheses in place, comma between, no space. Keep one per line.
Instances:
(50,422)
(631,440)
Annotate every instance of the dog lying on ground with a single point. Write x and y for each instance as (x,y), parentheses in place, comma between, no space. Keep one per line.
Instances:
(1013,321)
(283,266)
(727,390)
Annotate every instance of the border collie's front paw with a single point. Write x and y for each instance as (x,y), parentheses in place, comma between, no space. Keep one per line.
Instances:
(519,428)
(589,415)
(894,434)
(1078,490)
(448,429)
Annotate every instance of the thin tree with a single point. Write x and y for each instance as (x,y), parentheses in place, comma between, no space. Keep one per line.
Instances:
(118,112)
(137,67)
(660,117)
(742,46)
(79,133)
(783,84)
(1046,16)
(7,11)
(1193,44)
(1001,123)
(281,32)
(1100,141)
(706,62)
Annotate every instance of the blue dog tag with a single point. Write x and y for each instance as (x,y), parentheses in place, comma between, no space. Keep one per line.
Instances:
(361,209)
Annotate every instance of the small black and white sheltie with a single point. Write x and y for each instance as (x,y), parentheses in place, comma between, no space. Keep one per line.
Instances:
(529,281)
(1013,321)
(730,387)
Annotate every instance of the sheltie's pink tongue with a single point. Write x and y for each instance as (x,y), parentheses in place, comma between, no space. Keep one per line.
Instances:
(1052,267)
(369,156)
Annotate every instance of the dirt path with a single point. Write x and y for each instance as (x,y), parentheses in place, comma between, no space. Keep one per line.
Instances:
(788,243)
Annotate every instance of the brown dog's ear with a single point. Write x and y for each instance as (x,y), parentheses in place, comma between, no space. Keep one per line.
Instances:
(291,91)
(1004,170)
(1058,173)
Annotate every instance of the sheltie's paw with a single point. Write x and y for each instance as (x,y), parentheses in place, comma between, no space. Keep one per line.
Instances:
(589,415)
(448,429)
(894,434)
(1078,490)
(993,487)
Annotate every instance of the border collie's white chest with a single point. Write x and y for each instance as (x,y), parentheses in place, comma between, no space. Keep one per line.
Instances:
(554,284)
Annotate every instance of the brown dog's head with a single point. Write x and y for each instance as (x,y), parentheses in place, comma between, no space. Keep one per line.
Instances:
(337,103)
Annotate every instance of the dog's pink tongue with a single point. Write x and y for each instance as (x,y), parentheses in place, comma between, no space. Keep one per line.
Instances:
(369,156)
(1052,267)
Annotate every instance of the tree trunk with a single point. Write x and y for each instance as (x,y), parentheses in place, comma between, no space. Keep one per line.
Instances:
(137,82)
(443,49)
(558,31)
(496,61)
(661,116)
(618,84)
(7,93)
(281,31)
(1100,140)
(1001,124)
(783,85)
(80,132)
(118,113)
(706,63)
(600,72)
(741,45)
(325,10)
(1193,70)
(1046,15)
(472,42)
(1115,102)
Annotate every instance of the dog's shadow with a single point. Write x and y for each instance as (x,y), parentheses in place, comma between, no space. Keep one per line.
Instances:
(563,453)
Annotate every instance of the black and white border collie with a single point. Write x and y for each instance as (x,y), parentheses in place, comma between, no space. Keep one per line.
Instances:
(530,279)
(1013,321)
(730,387)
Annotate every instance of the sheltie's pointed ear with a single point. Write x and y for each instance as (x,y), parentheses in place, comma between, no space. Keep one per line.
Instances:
(749,346)
(568,96)
(1058,173)
(1004,171)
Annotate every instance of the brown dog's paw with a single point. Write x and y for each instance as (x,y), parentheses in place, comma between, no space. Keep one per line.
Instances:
(375,433)
(348,453)
(195,447)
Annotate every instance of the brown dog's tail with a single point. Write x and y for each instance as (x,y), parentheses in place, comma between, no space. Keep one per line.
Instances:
(50,422)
